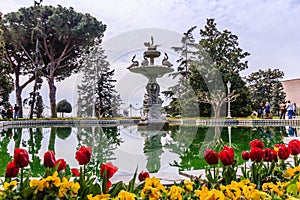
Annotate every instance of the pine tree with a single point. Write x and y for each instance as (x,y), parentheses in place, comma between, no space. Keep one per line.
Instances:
(182,94)
(104,94)
(96,89)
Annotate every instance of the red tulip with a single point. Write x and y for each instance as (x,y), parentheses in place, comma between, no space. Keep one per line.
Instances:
(11,170)
(61,164)
(294,146)
(83,155)
(268,155)
(108,185)
(211,156)
(275,156)
(75,172)
(49,159)
(283,151)
(230,150)
(21,157)
(256,143)
(245,155)
(227,156)
(256,154)
(143,176)
(109,168)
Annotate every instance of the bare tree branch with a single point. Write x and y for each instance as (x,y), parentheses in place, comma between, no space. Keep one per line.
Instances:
(216,99)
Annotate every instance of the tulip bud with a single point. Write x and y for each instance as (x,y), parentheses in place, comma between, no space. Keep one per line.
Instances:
(245,155)
(21,157)
(11,170)
(211,157)
(143,176)
(49,159)
(83,155)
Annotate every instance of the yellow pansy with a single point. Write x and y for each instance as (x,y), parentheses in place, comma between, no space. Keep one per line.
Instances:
(290,172)
(175,192)
(34,182)
(271,187)
(54,179)
(10,186)
(215,195)
(43,184)
(188,184)
(124,195)
(265,196)
(98,197)
(153,188)
(202,193)
(68,187)
(75,187)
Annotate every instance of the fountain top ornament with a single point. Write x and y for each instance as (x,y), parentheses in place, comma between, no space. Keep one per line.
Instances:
(150,69)
(152,103)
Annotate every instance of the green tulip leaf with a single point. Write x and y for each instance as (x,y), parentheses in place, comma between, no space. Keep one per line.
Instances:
(116,189)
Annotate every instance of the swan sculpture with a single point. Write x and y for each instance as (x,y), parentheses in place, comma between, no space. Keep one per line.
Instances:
(166,62)
(134,63)
(145,62)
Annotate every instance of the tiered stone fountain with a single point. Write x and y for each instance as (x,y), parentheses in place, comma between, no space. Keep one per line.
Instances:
(152,103)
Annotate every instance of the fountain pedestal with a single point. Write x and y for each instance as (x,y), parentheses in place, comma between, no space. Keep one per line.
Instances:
(153,116)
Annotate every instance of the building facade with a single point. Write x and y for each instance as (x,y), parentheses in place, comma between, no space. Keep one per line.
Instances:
(292,90)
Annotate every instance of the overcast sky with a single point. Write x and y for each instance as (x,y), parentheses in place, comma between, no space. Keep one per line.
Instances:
(269,30)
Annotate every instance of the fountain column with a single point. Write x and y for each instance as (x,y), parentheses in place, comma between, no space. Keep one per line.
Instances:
(152,103)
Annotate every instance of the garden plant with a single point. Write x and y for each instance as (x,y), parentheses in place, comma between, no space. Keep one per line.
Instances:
(266,174)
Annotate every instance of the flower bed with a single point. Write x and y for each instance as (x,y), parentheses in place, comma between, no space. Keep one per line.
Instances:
(269,176)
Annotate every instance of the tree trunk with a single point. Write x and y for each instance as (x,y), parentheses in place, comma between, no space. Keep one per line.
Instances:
(18,94)
(52,97)
(51,145)
(217,111)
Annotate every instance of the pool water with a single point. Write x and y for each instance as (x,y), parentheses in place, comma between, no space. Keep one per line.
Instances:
(127,147)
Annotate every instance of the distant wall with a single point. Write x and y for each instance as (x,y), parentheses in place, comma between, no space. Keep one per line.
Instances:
(292,90)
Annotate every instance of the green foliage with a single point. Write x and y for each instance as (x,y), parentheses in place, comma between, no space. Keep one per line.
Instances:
(96,90)
(63,132)
(6,80)
(39,106)
(219,53)
(62,34)
(182,94)
(265,86)
(207,67)
(64,106)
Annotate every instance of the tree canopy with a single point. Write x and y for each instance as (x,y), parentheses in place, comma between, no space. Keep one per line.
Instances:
(228,59)
(97,96)
(62,35)
(265,86)
(208,66)
(64,106)
(6,81)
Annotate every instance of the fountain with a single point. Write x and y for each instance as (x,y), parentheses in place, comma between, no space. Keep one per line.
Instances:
(152,104)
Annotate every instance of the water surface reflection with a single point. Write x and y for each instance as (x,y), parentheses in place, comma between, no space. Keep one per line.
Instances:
(178,148)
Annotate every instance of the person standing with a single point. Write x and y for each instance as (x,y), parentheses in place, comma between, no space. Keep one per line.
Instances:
(289,108)
(294,110)
(16,109)
(267,109)
(260,110)
(282,110)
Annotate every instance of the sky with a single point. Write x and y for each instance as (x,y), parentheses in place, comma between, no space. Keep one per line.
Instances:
(268,29)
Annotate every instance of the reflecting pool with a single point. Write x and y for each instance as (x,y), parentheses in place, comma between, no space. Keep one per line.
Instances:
(178,148)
